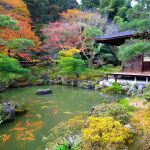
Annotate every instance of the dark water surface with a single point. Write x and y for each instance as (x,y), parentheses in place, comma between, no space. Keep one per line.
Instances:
(27,130)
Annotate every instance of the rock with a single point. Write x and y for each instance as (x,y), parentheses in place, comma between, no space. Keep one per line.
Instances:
(128,126)
(92,109)
(90,82)
(125,88)
(89,86)
(9,110)
(132,90)
(14,85)
(43,92)
(105,83)
(64,80)
(58,78)
(57,82)
(140,89)
(50,82)
(44,76)
(40,82)
(74,82)
(79,83)
(98,86)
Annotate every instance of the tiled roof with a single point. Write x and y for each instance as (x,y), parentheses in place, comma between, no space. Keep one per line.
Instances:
(116,35)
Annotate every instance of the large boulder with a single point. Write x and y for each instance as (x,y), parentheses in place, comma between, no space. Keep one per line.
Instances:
(43,92)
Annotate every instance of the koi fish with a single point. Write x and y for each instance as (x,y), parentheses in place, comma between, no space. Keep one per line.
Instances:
(46,102)
(38,115)
(30,134)
(42,107)
(21,128)
(20,135)
(29,131)
(6,138)
(56,111)
(27,123)
(68,113)
(18,124)
(36,123)
(27,138)
(28,115)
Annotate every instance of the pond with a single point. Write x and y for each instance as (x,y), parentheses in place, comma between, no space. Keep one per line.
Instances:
(27,130)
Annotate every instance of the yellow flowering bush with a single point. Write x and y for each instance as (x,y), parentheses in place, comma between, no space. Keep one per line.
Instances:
(141,126)
(69,53)
(102,132)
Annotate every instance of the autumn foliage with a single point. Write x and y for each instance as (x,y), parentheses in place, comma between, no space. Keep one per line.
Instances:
(62,36)
(18,11)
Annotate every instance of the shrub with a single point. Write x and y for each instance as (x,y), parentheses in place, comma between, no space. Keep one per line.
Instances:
(72,66)
(61,133)
(119,113)
(116,111)
(104,133)
(115,90)
(146,95)
(147,88)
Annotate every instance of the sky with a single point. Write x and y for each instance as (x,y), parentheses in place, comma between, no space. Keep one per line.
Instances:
(133,3)
(79,1)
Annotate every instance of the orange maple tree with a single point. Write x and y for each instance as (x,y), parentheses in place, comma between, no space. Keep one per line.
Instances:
(18,11)
(90,18)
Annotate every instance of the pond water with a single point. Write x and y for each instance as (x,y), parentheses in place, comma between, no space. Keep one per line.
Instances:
(27,130)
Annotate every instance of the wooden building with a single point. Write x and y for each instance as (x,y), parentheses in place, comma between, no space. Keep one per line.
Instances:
(137,67)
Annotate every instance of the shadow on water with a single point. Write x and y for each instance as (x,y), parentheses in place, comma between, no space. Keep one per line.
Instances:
(44,112)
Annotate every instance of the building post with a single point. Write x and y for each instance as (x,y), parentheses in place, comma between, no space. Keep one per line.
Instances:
(115,77)
(135,79)
(146,79)
(107,77)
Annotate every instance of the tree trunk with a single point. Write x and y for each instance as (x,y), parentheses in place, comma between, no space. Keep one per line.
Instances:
(77,75)
(9,53)
(91,61)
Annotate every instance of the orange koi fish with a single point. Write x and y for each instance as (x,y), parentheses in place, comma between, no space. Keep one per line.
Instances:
(6,138)
(36,123)
(30,134)
(20,135)
(27,138)
(27,123)
(29,131)
(18,124)
(28,115)
(56,111)
(21,128)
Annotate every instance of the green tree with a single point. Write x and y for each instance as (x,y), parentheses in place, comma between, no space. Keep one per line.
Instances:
(43,11)
(90,46)
(10,68)
(137,19)
(6,21)
(132,49)
(19,45)
(71,66)
(89,4)
(114,8)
